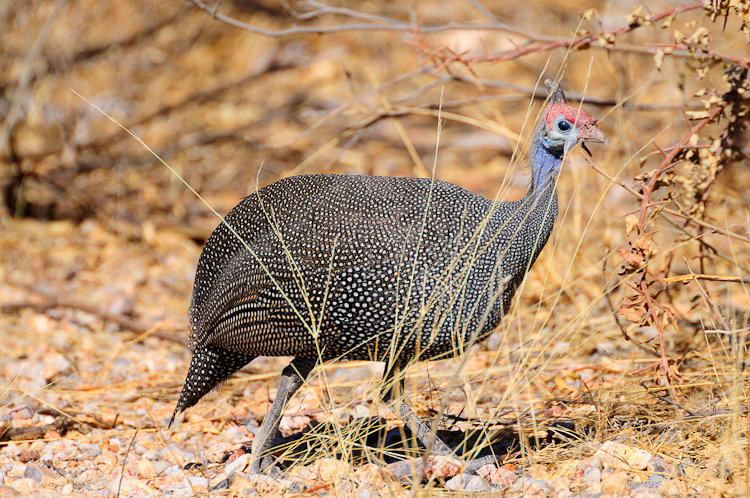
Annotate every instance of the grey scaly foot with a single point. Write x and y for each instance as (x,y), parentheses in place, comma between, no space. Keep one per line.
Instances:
(292,378)
(424,434)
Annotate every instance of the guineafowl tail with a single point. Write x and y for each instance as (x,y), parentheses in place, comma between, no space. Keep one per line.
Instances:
(208,368)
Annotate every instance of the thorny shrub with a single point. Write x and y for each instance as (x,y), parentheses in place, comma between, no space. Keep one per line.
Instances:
(686,171)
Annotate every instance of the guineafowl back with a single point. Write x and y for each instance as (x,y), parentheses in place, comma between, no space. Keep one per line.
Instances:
(359,267)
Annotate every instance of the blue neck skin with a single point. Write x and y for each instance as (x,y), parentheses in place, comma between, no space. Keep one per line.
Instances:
(545,165)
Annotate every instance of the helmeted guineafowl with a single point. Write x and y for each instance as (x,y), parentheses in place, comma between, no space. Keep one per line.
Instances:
(325,267)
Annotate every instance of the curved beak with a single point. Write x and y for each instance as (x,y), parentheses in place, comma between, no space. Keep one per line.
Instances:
(593,135)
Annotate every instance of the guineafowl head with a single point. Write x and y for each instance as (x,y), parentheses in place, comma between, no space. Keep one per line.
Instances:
(562,127)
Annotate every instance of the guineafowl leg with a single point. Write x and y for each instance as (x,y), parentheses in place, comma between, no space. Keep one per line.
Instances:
(422,430)
(292,377)
(394,397)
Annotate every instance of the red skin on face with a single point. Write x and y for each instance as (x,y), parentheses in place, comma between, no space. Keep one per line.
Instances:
(575,116)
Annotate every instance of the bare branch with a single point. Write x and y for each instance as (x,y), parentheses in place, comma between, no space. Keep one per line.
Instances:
(124,322)
(375,22)
(712,278)
(481,8)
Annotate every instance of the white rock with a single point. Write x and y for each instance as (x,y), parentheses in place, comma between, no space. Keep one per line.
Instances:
(173,471)
(592,475)
(621,456)
(146,469)
(161,466)
(93,450)
(191,481)
(152,455)
(237,465)
(466,482)
(11,450)
(128,484)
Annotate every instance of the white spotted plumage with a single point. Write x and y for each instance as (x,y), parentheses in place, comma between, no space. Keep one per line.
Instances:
(380,265)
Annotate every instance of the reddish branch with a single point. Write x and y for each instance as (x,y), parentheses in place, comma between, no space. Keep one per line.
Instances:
(583,42)
(740,61)
(662,349)
(375,22)
(669,162)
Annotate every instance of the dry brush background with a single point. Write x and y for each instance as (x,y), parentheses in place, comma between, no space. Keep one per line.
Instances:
(630,331)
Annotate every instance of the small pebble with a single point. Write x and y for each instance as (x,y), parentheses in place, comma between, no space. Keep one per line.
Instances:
(674,487)
(38,446)
(369,474)
(297,487)
(501,476)
(25,485)
(146,469)
(592,475)
(655,480)
(661,466)
(191,481)
(216,452)
(443,467)
(617,483)
(93,450)
(160,466)
(28,456)
(530,486)
(343,486)
(365,493)
(173,471)
(39,474)
(622,456)
(22,414)
(152,455)
(174,451)
(466,482)
(330,469)
(237,465)
(11,450)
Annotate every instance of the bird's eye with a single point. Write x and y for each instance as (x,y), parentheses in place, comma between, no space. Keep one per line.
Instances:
(563,126)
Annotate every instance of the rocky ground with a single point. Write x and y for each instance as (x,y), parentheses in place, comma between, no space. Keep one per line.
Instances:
(575,394)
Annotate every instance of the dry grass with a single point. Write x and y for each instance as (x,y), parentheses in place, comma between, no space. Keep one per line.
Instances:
(94,223)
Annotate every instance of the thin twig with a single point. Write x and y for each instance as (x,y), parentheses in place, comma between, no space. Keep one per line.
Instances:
(651,308)
(712,278)
(673,212)
(709,302)
(667,400)
(124,461)
(669,162)
(726,332)
(624,332)
(375,22)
